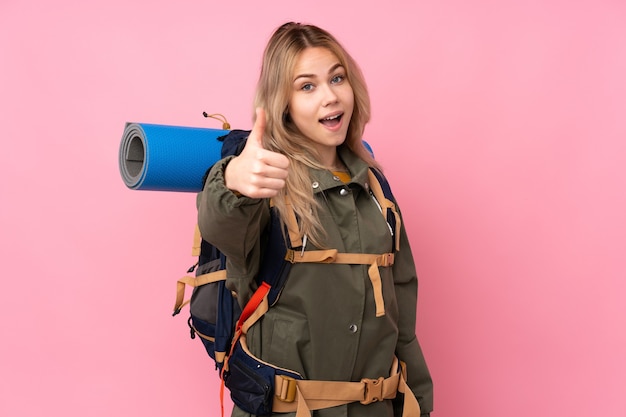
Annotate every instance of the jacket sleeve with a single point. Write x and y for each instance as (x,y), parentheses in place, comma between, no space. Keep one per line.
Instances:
(408,348)
(233,224)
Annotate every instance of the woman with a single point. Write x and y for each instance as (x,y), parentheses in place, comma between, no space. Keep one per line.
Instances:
(305,153)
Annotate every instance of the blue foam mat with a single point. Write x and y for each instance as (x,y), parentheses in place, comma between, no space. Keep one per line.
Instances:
(167,158)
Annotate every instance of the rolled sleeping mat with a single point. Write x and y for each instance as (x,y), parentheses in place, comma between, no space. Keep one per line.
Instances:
(167,158)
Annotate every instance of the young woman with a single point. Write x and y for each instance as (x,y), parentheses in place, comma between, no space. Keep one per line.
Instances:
(305,154)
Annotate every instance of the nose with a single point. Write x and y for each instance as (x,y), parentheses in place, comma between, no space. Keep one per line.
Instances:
(329,96)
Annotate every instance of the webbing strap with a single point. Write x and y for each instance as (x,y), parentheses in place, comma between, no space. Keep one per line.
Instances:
(195,282)
(197,242)
(303,396)
(333,256)
(292,225)
(252,306)
(385,204)
(411,406)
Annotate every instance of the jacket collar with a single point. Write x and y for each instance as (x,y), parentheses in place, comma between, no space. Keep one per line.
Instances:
(322,179)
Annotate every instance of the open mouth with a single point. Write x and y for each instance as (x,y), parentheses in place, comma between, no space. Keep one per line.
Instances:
(332,121)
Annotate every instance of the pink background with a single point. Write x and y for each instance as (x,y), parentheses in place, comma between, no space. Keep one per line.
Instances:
(502,126)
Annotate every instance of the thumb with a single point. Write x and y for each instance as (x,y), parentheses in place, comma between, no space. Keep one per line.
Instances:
(258,130)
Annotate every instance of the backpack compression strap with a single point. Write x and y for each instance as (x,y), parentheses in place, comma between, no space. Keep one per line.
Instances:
(195,281)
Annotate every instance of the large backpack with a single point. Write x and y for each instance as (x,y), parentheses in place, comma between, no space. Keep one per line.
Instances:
(219,322)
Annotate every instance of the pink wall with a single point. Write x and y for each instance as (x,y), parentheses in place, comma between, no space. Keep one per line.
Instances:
(502,125)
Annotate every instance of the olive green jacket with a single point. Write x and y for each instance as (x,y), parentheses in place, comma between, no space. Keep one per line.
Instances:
(324,325)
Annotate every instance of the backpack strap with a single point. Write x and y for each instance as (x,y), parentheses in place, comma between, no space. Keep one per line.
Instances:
(303,396)
(273,269)
(194,282)
(382,193)
(197,242)
(291,223)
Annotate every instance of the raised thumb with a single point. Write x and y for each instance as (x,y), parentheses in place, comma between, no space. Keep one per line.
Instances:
(258,130)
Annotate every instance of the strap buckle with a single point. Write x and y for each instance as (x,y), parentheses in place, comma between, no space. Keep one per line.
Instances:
(373,390)
(290,256)
(285,389)
(386,259)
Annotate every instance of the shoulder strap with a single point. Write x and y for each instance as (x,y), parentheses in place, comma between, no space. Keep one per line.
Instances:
(382,192)
(274,268)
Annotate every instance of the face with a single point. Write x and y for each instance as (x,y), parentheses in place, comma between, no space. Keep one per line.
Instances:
(321,101)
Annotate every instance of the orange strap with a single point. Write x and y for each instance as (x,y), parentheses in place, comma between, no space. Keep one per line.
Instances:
(195,282)
(303,396)
(385,204)
(292,226)
(197,242)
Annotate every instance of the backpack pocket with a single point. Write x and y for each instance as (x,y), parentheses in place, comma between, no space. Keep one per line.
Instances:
(206,332)
(214,312)
(251,381)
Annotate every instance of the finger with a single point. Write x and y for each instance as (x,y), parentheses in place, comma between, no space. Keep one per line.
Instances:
(268,183)
(273,159)
(274,172)
(263,187)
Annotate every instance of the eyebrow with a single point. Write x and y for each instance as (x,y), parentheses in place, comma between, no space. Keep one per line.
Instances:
(330,71)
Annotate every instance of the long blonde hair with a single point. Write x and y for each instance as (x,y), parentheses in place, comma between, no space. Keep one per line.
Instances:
(281,134)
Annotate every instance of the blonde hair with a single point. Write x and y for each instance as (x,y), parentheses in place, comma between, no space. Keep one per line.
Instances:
(281,135)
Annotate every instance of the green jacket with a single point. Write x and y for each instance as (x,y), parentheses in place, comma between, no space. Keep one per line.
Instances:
(324,325)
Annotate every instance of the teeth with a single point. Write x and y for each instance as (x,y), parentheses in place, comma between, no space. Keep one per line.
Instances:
(332,117)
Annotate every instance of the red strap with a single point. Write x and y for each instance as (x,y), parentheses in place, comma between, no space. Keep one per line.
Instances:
(252,305)
(222,396)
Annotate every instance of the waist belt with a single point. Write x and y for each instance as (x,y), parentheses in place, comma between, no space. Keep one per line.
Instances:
(303,396)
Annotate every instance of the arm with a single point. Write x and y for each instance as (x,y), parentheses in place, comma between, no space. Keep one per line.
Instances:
(233,208)
(234,224)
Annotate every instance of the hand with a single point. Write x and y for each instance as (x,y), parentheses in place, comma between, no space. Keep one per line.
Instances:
(257,172)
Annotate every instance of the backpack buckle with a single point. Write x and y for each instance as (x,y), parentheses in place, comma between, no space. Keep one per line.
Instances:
(373,390)
(386,259)
(290,256)
(285,388)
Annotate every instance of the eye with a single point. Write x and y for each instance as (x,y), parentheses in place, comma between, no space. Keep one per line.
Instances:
(307,87)
(337,79)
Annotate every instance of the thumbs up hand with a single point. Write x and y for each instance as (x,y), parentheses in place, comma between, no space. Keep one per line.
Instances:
(257,172)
